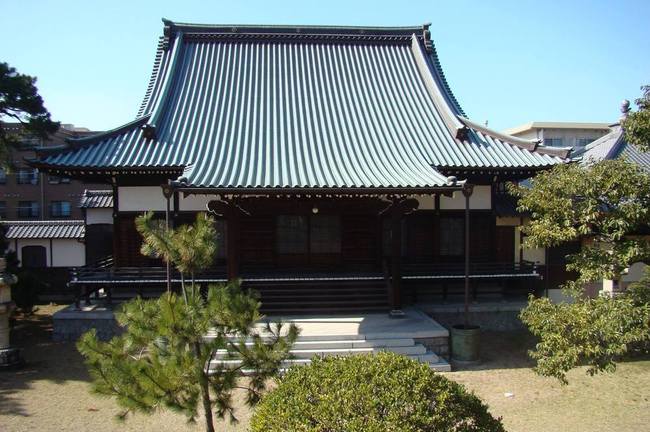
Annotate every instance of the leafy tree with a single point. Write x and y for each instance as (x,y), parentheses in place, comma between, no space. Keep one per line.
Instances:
(370,393)
(637,124)
(596,332)
(603,205)
(167,356)
(20,101)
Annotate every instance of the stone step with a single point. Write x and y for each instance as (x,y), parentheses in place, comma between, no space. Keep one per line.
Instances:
(352,343)
(346,343)
(309,353)
(436,363)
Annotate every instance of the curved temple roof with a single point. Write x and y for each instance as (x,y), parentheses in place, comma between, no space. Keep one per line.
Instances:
(300,107)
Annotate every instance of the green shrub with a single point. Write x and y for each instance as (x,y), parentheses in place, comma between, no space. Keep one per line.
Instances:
(25,292)
(370,393)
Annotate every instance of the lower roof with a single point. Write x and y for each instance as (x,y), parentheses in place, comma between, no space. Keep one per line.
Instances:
(48,229)
(96,199)
(615,146)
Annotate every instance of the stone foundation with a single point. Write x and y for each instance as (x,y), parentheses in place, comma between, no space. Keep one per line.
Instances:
(438,345)
(71,323)
(494,316)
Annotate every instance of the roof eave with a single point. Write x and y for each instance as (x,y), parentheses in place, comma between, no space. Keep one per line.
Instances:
(418,190)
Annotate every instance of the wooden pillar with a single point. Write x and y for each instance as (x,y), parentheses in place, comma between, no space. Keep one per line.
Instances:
(467,192)
(396,259)
(168,191)
(116,225)
(232,214)
(232,243)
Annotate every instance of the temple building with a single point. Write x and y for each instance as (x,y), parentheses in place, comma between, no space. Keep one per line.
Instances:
(342,172)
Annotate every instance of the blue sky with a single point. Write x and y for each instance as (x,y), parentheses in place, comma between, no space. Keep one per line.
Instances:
(508,62)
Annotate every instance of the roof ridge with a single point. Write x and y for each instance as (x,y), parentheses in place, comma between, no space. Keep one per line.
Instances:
(115,131)
(435,59)
(289,28)
(153,79)
(529,145)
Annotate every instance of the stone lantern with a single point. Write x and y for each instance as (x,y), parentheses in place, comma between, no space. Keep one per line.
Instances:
(9,356)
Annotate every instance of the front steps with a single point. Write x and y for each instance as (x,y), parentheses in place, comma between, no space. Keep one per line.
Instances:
(305,297)
(306,348)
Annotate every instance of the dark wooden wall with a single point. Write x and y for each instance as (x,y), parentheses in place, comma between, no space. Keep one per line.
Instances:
(362,237)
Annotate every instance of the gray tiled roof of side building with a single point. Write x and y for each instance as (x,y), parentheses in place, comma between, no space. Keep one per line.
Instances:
(614,146)
(96,199)
(52,229)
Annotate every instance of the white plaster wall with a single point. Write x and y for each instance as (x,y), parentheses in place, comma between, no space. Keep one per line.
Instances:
(481,199)
(30,242)
(194,202)
(68,253)
(141,198)
(537,255)
(426,202)
(99,216)
(65,252)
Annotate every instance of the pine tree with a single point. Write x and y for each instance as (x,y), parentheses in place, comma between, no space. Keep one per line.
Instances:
(20,101)
(165,359)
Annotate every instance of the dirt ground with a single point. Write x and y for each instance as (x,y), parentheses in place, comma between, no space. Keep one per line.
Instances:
(51,392)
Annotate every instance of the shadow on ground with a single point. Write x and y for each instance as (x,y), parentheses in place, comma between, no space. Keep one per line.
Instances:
(502,350)
(57,362)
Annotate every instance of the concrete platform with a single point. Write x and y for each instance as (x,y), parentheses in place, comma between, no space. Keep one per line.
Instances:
(344,332)
(70,323)
(368,326)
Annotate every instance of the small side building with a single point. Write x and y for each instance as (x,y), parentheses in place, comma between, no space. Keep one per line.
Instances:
(49,249)
(97,210)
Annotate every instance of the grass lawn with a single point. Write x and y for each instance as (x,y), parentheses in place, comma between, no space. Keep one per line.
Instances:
(51,392)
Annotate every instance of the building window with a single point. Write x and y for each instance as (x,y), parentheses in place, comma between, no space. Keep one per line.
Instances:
(291,234)
(28,209)
(3,209)
(553,142)
(58,180)
(3,176)
(317,234)
(60,208)
(325,234)
(452,236)
(27,176)
(582,142)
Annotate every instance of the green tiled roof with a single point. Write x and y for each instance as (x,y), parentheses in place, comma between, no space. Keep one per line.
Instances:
(300,107)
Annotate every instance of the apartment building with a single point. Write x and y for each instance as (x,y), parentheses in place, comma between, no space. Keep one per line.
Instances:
(27,194)
(561,134)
